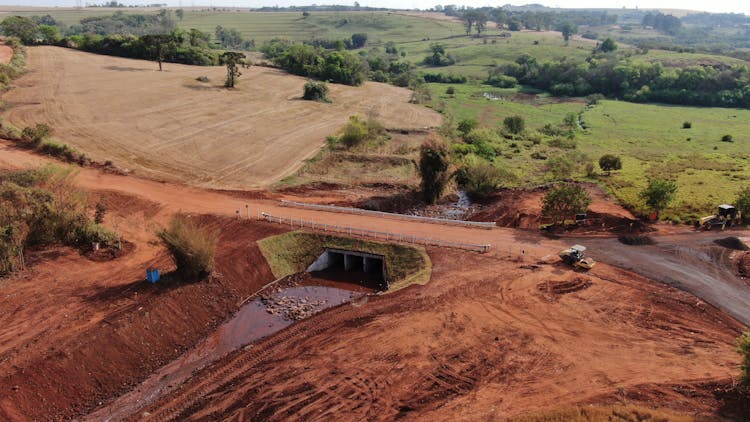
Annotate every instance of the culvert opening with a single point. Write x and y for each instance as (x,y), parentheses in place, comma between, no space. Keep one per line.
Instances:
(360,268)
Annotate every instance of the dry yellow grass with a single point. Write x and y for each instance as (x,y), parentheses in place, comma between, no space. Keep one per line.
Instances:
(170,126)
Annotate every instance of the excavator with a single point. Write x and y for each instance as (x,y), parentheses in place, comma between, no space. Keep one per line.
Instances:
(727,216)
(574,256)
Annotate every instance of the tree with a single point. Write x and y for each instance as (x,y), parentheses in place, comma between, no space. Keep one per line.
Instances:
(20,27)
(565,201)
(198,38)
(358,40)
(744,350)
(743,203)
(609,162)
(514,124)
(232,61)
(180,14)
(468,18)
(49,34)
(433,167)
(608,45)
(480,22)
(159,46)
(568,29)
(658,194)
(315,91)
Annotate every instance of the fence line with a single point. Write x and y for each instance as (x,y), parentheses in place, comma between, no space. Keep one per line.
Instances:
(372,234)
(348,210)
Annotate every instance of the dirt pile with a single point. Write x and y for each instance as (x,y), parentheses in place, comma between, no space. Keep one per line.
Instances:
(522,208)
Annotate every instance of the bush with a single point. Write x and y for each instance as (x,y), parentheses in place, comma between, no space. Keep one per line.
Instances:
(594,99)
(563,143)
(502,81)
(64,152)
(727,138)
(565,201)
(479,177)
(354,132)
(444,79)
(450,90)
(53,212)
(687,125)
(192,247)
(465,126)
(315,91)
(743,203)
(744,350)
(609,162)
(514,124)
(560,167)
(36,134)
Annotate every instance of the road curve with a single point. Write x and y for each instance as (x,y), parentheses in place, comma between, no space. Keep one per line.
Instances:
(691,262)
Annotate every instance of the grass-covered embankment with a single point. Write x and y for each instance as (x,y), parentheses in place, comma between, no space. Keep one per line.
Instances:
(293,252)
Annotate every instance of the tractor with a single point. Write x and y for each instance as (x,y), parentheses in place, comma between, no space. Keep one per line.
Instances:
(728,215)
(574,256)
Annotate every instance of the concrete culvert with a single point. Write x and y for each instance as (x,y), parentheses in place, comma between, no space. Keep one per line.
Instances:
(352,266)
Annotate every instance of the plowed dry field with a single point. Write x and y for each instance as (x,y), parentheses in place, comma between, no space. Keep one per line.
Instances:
(169,126)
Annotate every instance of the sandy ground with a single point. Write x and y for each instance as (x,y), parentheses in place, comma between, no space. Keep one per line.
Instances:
(169,126)
(488,337)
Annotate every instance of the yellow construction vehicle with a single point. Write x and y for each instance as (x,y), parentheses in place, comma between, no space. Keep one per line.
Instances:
(727,216)
(574,256)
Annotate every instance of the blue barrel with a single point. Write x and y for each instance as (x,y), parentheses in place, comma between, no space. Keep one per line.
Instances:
(152,275)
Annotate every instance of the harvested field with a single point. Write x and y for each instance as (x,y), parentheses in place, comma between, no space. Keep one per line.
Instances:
(169,126)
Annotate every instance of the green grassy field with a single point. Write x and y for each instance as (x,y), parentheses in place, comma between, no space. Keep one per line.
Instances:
(411,34)
(649,138)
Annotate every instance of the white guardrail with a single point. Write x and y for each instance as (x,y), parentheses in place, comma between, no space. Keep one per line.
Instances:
(347,210)
(372,234)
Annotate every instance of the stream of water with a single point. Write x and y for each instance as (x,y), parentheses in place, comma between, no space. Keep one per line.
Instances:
(251,323)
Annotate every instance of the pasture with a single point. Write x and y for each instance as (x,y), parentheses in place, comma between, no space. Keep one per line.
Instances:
(649,138)
(412,34)
(171,126)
